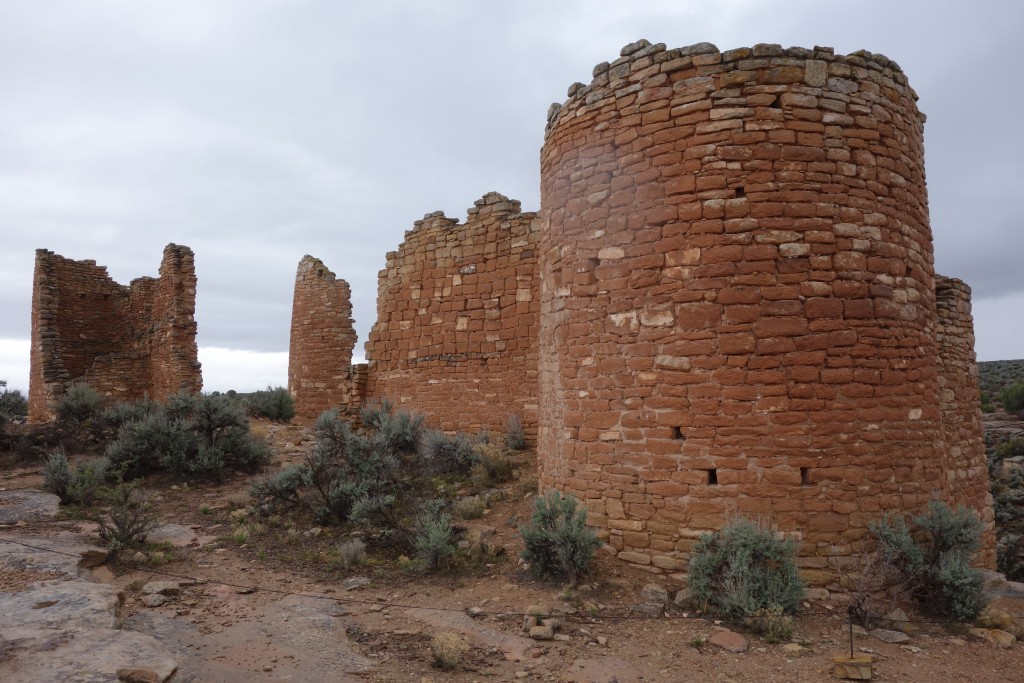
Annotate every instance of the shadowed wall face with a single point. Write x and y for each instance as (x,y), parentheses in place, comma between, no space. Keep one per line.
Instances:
(125,342)
(967,478)
(738,307)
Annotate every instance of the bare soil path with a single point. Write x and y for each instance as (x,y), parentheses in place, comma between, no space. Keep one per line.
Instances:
(259,602)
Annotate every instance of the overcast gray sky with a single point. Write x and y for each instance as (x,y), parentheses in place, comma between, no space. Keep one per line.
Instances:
(256,131)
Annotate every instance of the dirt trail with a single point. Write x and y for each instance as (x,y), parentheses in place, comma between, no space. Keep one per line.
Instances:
(372,623)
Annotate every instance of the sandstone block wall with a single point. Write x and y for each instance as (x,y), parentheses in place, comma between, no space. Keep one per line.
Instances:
(125,342)
(320,371)
(457,319)
(738,309)
(967,480)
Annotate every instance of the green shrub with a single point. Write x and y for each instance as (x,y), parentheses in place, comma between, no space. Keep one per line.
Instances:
(493,466)
(470,507)
(275,403)
(350,477)
(153,441)
(12,405)
(558,541)
(435,537)
(515,434)
(449,454)
(129,521)
(774,625)
(280,492)
(122,412)
(393,431)
(744,569)
(80,486)
(57,474)
(1010,555)
(936,570)
(1012,397)
(189,436)
(352,553)
(79,404)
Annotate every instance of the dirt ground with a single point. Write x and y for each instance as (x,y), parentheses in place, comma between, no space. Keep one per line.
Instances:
(267,600)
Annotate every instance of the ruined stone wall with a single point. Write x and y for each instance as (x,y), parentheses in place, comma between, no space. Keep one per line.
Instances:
(967,480)
(737,299)
(320,371)
(457,319)
(125,342)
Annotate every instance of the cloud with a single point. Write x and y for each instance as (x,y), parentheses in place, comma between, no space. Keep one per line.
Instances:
(256,131)
(14,363)
(241,370)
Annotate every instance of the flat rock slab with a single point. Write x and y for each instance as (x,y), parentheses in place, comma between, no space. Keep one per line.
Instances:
(162,587)
(995,636)
(890,636)
(603,670)
(63,554)
(177,535)
(79,655)
(515,648)
(297,638)
(730,641)
(996,585)
(27,506)
(62,604)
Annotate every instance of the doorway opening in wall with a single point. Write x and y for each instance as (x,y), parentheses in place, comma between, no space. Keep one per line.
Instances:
(805,476)
(712,476)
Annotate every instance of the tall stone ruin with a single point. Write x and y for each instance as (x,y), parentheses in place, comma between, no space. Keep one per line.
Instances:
(320,371)
(456,330)
(125,342)
(727,305)
(738,304)
(457,319)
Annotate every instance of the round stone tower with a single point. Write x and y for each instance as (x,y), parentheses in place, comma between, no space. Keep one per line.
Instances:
(738,299)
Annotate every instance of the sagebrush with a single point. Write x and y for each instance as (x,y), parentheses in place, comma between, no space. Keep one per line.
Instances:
(449,454)
(745,570)
(435,537)
(373,480)
(1012,397)
(934,559)
(515,433)
(13,405)
(189,435)
(130,519)
(558,541)
(79,486)
(274,403)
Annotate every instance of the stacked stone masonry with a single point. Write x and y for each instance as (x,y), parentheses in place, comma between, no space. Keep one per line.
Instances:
(959,387)
(320,371)
(738,304)
(458,317)
(125,342)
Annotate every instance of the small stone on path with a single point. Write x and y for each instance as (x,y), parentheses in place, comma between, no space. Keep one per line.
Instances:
(154,600)
(730,641)
(889,636)
(995,636)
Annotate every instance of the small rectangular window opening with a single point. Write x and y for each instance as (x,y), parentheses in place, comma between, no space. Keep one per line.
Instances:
(805,476)
(740,192)
(712,477)
(677,434)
